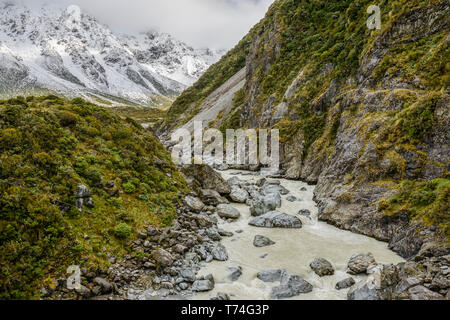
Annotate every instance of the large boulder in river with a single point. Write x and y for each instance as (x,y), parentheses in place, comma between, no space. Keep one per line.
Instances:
(258,208)
(276,219)
(207,177)
(272,200)
(322,267)
(290,286)
(360,262)
(227,212)
(219,253)
(238,195)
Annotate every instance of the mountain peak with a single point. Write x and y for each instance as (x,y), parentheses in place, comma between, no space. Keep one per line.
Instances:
(67,51)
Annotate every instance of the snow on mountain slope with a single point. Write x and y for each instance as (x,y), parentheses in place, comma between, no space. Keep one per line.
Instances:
(66,51)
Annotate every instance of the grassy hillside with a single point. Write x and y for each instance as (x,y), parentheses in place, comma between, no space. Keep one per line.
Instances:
(48,146)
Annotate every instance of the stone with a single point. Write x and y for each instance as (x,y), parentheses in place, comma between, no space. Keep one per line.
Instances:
(271,275)
(213,234)
(238,195)
(224,233)
(272,201)
(221,297)
(405,284)
(291,286)
(291,199)
(322,267)
(207,177)
(183,286)
(179,248)
(228,212)
(305,213)
(422,293)
(212,197)
(219,253)
(104,284)
(261,182)
(259,207)
(162,257)
(82,192)
(261,241)
(276,219)
(360,262)
(235,273)
(202,285)
(188,275)
(344,284)
(194,203)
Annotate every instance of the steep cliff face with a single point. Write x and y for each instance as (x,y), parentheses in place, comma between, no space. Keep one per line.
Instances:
(362,113)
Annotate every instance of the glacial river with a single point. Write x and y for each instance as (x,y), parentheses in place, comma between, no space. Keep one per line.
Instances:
(294,250)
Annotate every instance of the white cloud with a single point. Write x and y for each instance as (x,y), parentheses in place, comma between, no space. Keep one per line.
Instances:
(211,23)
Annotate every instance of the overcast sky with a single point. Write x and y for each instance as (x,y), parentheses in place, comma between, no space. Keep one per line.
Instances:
(212,23)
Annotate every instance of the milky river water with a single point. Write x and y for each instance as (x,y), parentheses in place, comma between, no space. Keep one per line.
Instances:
(294,250)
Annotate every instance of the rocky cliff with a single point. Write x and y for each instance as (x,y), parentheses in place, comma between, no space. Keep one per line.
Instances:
(362,113)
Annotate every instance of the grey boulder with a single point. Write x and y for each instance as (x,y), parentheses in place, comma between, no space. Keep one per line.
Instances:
(322,267)
(238,195)
(359,263)
(344,284)
(276,219)
(261,241)
(291,286)
(194,203)
(228,212)
(219,253)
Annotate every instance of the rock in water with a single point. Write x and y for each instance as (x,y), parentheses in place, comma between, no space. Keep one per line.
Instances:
(344,284)
(272,200)
(204,284)
(291,286)
(238,195)
(261,241)
(271,275)
(322,267)
(228,212)
(259,207)
(220,253)
(359,263)
(194,203)
(291,199)
(305,213)
(276,219)
(235,273)
(221,297)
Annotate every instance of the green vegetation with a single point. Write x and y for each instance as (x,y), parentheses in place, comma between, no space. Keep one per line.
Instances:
(48,146)
(423,200)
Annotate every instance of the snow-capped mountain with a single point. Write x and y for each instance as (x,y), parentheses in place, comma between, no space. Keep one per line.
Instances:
(67,51)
